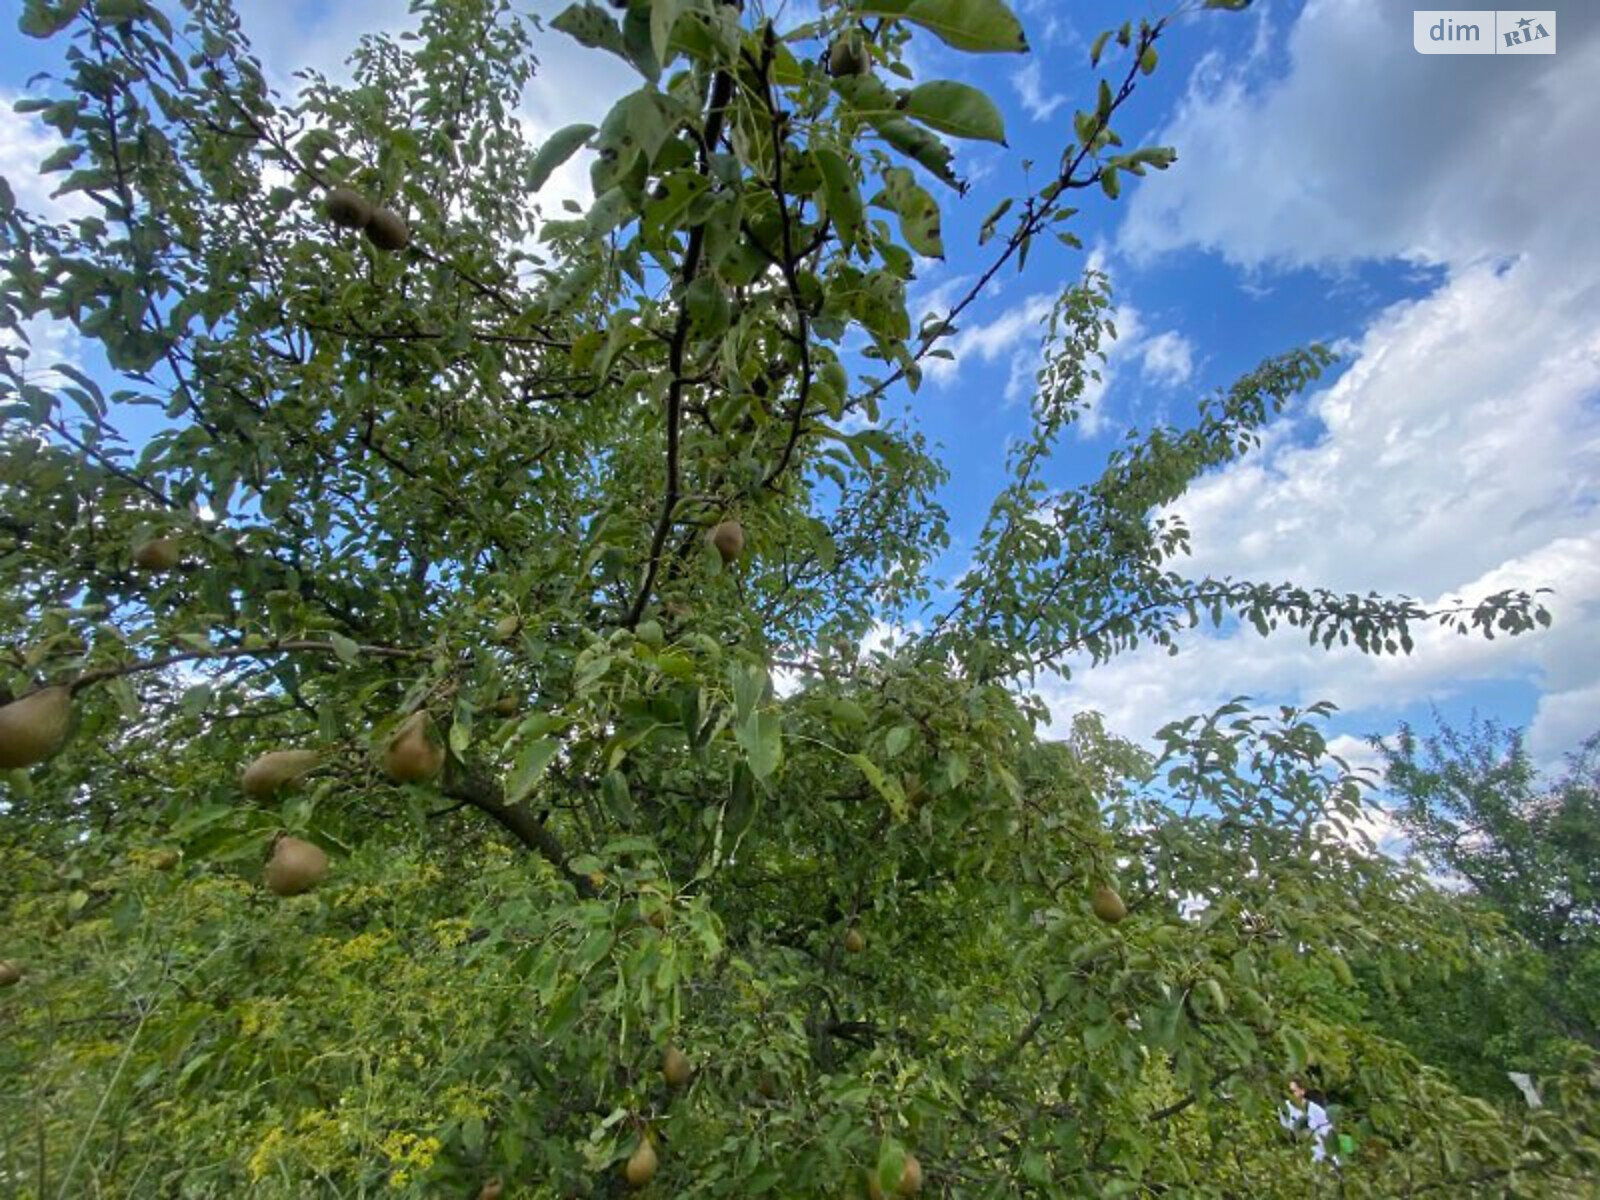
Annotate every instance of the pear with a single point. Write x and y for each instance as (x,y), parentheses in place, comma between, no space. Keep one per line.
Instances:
(492,1189)
(34,727)
(507,628)
(507,705)
(642,1164)
(347,208)
(1107,905)
(387,231)
(847,57)
(728,538)
(414,754)
(165,860)
(910,1177)
(11,973)
(296,866)
(276,769)
(675,1067)
(910,1180)
(854,942)
(157,554)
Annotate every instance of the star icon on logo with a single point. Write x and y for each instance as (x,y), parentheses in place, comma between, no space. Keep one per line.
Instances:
(1525,22)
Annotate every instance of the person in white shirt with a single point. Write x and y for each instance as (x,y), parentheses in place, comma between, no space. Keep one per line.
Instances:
(1307,1113)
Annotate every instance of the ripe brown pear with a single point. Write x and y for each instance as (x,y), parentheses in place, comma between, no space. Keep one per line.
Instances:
(507,705)
(642,1164)
(348,208)
(157,554)
(34,727)
(1107,905)
(276,769)
(492,1189)
(854,942)
(414,754)
(387,230)
(675,1067)
(910,1177)
(728,538)
(11,973)
(296,866)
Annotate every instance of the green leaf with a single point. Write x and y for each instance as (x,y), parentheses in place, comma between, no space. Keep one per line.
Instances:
(977,26)
(957,109)
(840,192)
(992,220)
(664,15)
(760,736)
(530,766)
(749,682)
(590,25)
(924,147)
(635,128)
(344,649)
(558,147)
(919,212)
(42,19)
(886,787)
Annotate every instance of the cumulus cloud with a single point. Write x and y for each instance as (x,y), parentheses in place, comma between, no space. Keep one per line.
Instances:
(1459,451)
(1365,149)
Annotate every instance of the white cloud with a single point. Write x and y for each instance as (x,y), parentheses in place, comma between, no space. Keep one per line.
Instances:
(291,35)
(1029,84)
(1021,323)
(1168,358)
(1459,452)
(1365,149)
(48,342)
(1045,23)
(25,142)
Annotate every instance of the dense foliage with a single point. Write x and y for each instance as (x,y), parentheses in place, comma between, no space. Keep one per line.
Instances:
(426,496)
(1525,850)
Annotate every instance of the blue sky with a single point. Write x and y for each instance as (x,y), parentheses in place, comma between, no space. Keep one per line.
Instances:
(1432,217)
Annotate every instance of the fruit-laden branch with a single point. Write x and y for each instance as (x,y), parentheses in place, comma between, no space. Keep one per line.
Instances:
(473,784)
(721,93)
(292,162)
(101,674)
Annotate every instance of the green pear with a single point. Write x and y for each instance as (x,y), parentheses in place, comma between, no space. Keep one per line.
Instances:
(275,770)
